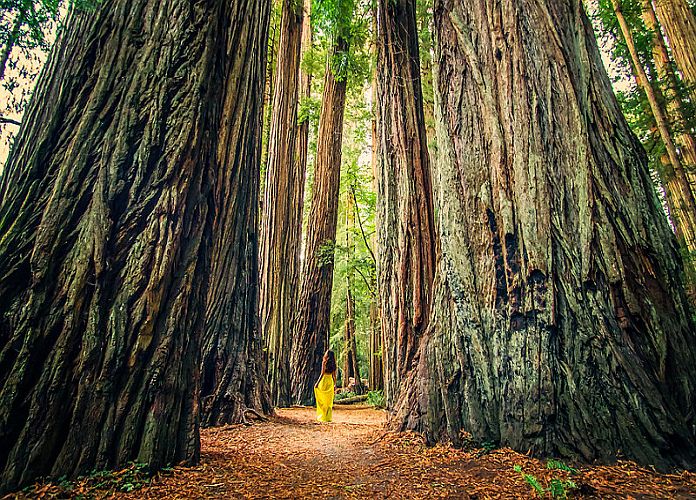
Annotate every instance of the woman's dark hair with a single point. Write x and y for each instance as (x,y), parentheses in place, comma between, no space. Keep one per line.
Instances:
(328,364)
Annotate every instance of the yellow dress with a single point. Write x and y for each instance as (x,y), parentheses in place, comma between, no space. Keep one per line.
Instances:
(324,395)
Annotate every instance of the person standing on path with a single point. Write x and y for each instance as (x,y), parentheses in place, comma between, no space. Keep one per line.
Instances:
(324,388)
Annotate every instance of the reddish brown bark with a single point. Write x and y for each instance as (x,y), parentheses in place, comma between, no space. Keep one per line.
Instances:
(311,328)
(405,212)
(282,209)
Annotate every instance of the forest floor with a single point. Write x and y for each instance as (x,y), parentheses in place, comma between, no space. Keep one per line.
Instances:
(293,456)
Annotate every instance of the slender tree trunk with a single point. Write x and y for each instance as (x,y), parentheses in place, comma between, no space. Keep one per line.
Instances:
(560,322)
(269,91)
(283,199)
(106,219)
(675,103)
(683,207)
(679,23)
(232,369)
(305,94)
(352,368)
(311,327)
(376,375)
(405,213)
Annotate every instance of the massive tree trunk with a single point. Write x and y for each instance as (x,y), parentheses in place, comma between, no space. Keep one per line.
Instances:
(405,212)
(560,322)
(311,328)
(282,212)
(233,377)
(105,235)
(679,23)
(680,196)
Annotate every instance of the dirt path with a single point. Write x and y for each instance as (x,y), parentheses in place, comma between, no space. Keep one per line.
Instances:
(293,456)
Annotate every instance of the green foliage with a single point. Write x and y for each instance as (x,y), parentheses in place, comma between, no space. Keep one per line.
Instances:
(558,488)
(131,478)
(326,253)
(558,465)
(344,395)
(308,110)
(376,399)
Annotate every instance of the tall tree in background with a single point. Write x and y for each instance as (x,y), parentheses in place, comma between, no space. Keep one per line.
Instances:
(106,221)
(680,197)
(672,89)
(560,323)
(406,228)
(305,95)
(679,23)
(282,215)
(351,367)
(311,328)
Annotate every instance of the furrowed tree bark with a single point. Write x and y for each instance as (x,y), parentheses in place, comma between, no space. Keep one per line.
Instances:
(311,326)
(683,205)
(406,228)
(282,210)
(679,23)
(105,237)
(560,322)
(233,378)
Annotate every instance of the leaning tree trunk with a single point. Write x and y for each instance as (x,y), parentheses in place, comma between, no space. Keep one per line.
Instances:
(406,226)
(681,200)
(560,322)
(105,236)
(282,213)
(679,23)
(676,105)
(311,326)
(232,369)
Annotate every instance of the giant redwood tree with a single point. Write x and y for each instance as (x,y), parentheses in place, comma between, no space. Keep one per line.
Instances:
(311,324)
(233,378)
(106,229)
(559,321)
(282,208)
(405,212)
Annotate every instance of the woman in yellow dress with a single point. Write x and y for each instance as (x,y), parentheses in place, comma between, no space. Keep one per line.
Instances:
(324,388)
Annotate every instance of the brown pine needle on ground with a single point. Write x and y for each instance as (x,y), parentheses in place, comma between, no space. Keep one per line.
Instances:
(293,456)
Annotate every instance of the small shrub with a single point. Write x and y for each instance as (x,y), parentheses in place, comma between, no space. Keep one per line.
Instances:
(344,395)
(558,488)
(376,399)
